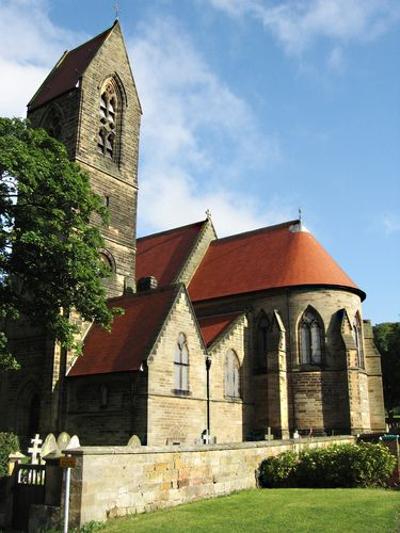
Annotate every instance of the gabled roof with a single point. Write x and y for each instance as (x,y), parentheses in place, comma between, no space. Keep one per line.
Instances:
(279,256)
(69,69)
(213,326)
(164,254)
(132,336)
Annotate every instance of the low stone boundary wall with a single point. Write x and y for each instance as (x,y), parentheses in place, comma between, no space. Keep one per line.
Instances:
(115,481)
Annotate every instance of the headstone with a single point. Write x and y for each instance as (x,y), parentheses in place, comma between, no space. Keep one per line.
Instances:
(35,449)
(73,443)
(49,445)
(134,442)
(63,440)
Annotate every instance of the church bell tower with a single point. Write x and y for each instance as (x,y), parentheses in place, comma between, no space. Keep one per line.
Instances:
(90,103)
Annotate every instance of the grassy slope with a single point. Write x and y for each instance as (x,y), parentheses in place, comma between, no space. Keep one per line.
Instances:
(286,510)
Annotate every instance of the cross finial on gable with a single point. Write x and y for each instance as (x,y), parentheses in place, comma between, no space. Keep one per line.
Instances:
(300,215)
(208,214)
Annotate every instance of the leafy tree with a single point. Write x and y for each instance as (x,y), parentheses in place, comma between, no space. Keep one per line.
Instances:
(49,261)
(387,339)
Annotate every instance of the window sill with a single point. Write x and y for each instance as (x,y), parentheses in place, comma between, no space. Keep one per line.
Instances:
(180,392)
(233,399)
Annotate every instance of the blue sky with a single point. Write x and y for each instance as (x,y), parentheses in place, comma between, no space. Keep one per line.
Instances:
(252,108)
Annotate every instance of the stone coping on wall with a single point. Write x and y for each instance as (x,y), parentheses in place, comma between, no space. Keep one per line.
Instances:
(125,450)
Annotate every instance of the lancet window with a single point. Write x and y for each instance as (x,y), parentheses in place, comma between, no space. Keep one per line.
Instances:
(261,342)
(358,338)
(311,335)
(108,109)
(181,364)
(232,375)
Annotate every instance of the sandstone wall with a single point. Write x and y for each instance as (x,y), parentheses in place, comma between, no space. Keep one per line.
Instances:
(116,481)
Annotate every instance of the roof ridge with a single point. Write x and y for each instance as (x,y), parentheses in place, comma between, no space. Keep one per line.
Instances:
(136,295)
(91,39)
(257,230)
(164,232)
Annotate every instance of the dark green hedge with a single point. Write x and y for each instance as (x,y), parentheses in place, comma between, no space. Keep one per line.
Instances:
(9,443)
(341,465)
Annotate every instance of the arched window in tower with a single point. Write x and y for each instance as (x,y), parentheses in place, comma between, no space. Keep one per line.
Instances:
(181,364)
(108,110)
(52,122)
(311,335)
(232,375)
(358,339)
(261,342)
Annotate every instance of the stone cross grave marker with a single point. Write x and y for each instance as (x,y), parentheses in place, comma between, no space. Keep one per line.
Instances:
(35,450)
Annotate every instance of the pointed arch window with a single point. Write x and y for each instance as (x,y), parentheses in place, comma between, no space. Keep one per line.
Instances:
(108,110)
(261,342)
(232,375)
(358,339)
(311,335)
(181,364)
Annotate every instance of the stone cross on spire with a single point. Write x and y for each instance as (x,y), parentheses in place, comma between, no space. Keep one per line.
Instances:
(35,450)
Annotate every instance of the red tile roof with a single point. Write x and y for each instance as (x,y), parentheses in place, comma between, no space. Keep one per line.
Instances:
(131,338)
(163,255)
(67,72)
(212,326)
(268,258)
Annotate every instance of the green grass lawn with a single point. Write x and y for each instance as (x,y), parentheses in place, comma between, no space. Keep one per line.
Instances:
(276,510)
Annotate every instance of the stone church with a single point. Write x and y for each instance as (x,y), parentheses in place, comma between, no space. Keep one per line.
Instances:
(222,339)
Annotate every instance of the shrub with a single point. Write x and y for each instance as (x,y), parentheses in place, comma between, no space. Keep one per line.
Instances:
(344,465)
(9,443)
(278,471)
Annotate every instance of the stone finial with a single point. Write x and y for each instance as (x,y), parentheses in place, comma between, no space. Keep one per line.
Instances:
(208,214)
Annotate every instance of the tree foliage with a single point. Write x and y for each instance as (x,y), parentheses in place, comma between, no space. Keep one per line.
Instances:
(49,260)
(387,339)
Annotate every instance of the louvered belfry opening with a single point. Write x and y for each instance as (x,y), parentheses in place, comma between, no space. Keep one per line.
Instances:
(108,120)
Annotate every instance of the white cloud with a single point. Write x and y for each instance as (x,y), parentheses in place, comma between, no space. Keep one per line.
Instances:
(30,45)
(391,223)
(297,25)
(199,140)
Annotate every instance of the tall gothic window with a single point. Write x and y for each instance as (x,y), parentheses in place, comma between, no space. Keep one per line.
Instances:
(357,334)
(311,334)
(108,108)
(261,342)
(232,381)
(181,364)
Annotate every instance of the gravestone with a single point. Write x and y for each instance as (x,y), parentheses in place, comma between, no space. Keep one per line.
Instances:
(134,442)
(63,440)
(49,445)
(73,443)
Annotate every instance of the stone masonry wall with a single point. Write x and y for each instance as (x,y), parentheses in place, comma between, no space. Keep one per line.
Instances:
(231,419)
(109,482)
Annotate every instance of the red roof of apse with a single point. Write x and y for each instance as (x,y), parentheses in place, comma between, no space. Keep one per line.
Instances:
(67,72)
(212,326)
(274,257)
(163,255)
(132,336)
